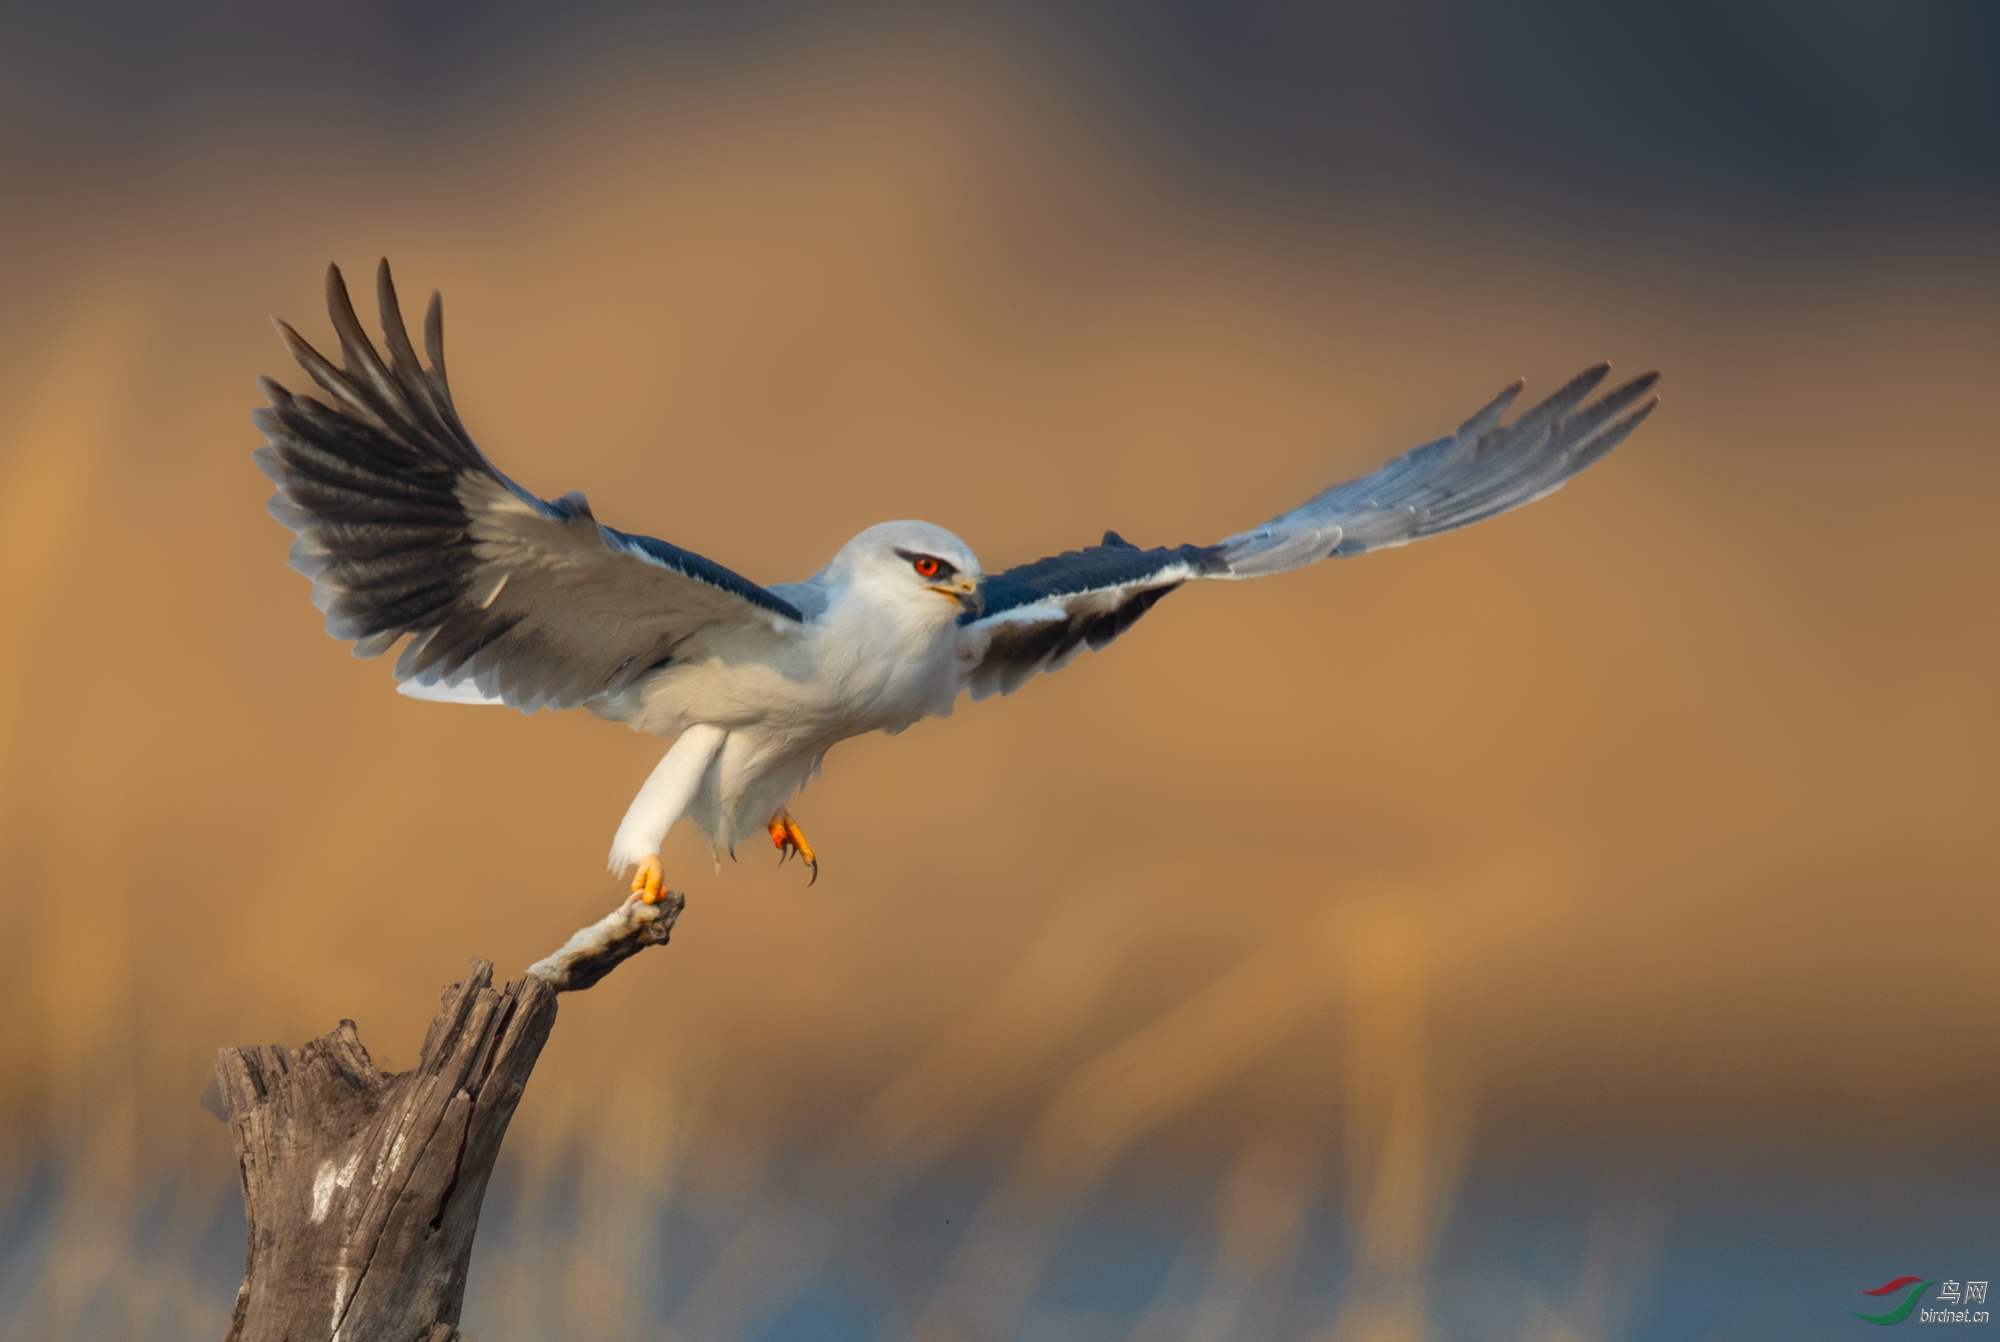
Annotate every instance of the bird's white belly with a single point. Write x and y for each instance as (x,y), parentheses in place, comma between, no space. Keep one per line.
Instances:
(781,720)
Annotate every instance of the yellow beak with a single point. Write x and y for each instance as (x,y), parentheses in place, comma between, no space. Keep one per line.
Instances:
(965,594)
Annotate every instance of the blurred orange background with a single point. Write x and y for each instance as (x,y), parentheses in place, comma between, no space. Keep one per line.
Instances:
(1636,843)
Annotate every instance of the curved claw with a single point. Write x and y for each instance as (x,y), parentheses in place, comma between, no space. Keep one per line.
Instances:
(790,841)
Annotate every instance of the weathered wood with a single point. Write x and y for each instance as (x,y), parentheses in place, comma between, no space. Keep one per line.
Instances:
(362,1189)
(609,942)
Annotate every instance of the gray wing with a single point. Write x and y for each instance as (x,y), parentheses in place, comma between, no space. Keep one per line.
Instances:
(404,527)
(1038,616)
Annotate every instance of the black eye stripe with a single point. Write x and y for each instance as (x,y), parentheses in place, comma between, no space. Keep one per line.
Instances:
(945,568)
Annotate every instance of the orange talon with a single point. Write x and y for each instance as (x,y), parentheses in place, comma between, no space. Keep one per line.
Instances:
(646,881)
(788,838)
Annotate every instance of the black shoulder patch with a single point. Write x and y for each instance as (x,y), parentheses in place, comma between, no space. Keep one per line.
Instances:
(1116,563)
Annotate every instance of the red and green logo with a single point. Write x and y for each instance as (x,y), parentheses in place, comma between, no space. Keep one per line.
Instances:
(1902,1311)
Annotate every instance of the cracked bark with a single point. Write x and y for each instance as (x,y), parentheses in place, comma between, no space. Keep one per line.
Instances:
(361,1189)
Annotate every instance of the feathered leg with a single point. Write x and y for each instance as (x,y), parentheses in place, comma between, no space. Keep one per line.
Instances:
(663,800)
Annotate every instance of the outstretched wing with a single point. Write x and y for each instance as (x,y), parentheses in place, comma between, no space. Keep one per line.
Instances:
(405,527)
(1037,616)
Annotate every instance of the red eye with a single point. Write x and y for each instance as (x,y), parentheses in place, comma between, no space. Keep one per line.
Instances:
(925,566)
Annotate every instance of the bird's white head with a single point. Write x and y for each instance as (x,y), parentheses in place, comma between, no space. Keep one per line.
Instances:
(922,572)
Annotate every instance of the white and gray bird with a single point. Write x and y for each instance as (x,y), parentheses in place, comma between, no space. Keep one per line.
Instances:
(405,528)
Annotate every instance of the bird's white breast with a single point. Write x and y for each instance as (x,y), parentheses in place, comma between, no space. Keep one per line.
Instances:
(864,665)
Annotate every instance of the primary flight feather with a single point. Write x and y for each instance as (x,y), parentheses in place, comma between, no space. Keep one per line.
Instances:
(405,528)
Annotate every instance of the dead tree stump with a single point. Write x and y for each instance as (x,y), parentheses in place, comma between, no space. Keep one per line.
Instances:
(362,1189)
